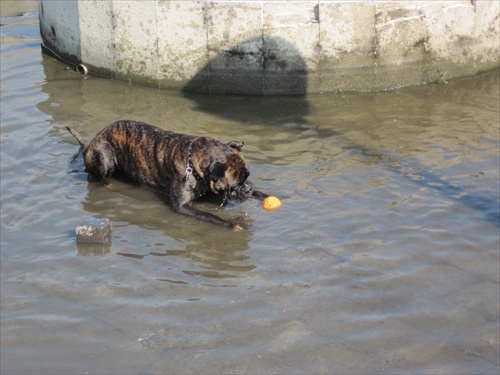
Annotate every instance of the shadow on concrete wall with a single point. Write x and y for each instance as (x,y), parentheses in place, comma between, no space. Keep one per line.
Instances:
(260,66)
(259,72)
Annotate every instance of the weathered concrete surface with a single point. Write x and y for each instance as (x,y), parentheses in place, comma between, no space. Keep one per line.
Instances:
(275,47)
(96,231)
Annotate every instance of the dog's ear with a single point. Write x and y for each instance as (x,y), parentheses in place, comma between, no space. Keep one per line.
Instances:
(217,170)
(237,145)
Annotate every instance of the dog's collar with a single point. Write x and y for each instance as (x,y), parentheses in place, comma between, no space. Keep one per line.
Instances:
(189,165)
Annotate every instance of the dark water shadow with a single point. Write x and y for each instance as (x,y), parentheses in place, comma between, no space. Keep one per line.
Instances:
(413,172)
(488,207)
(272,110)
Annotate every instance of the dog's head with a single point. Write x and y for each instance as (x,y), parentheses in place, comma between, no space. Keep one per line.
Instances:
(229,174)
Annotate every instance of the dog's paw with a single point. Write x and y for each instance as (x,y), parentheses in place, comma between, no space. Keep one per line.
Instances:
(240,224)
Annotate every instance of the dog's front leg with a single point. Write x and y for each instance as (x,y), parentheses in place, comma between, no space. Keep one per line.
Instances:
(181,197)
(259,195)
(237,223)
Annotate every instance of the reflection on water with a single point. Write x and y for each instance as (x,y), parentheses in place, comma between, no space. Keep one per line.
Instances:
(90,249)
(383,258)
(217,251)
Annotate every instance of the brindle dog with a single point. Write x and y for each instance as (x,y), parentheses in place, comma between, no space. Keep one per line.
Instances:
(183,166)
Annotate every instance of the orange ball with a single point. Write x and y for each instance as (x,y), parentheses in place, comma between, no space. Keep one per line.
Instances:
(271,203)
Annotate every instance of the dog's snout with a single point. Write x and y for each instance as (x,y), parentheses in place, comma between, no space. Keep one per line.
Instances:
(241,192)
(247,186)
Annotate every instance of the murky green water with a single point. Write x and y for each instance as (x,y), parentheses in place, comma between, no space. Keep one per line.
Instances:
(384,257)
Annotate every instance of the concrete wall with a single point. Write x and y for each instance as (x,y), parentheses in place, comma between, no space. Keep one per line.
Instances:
(274,47)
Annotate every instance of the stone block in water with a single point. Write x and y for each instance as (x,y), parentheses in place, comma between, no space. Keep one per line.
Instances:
(94,231)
